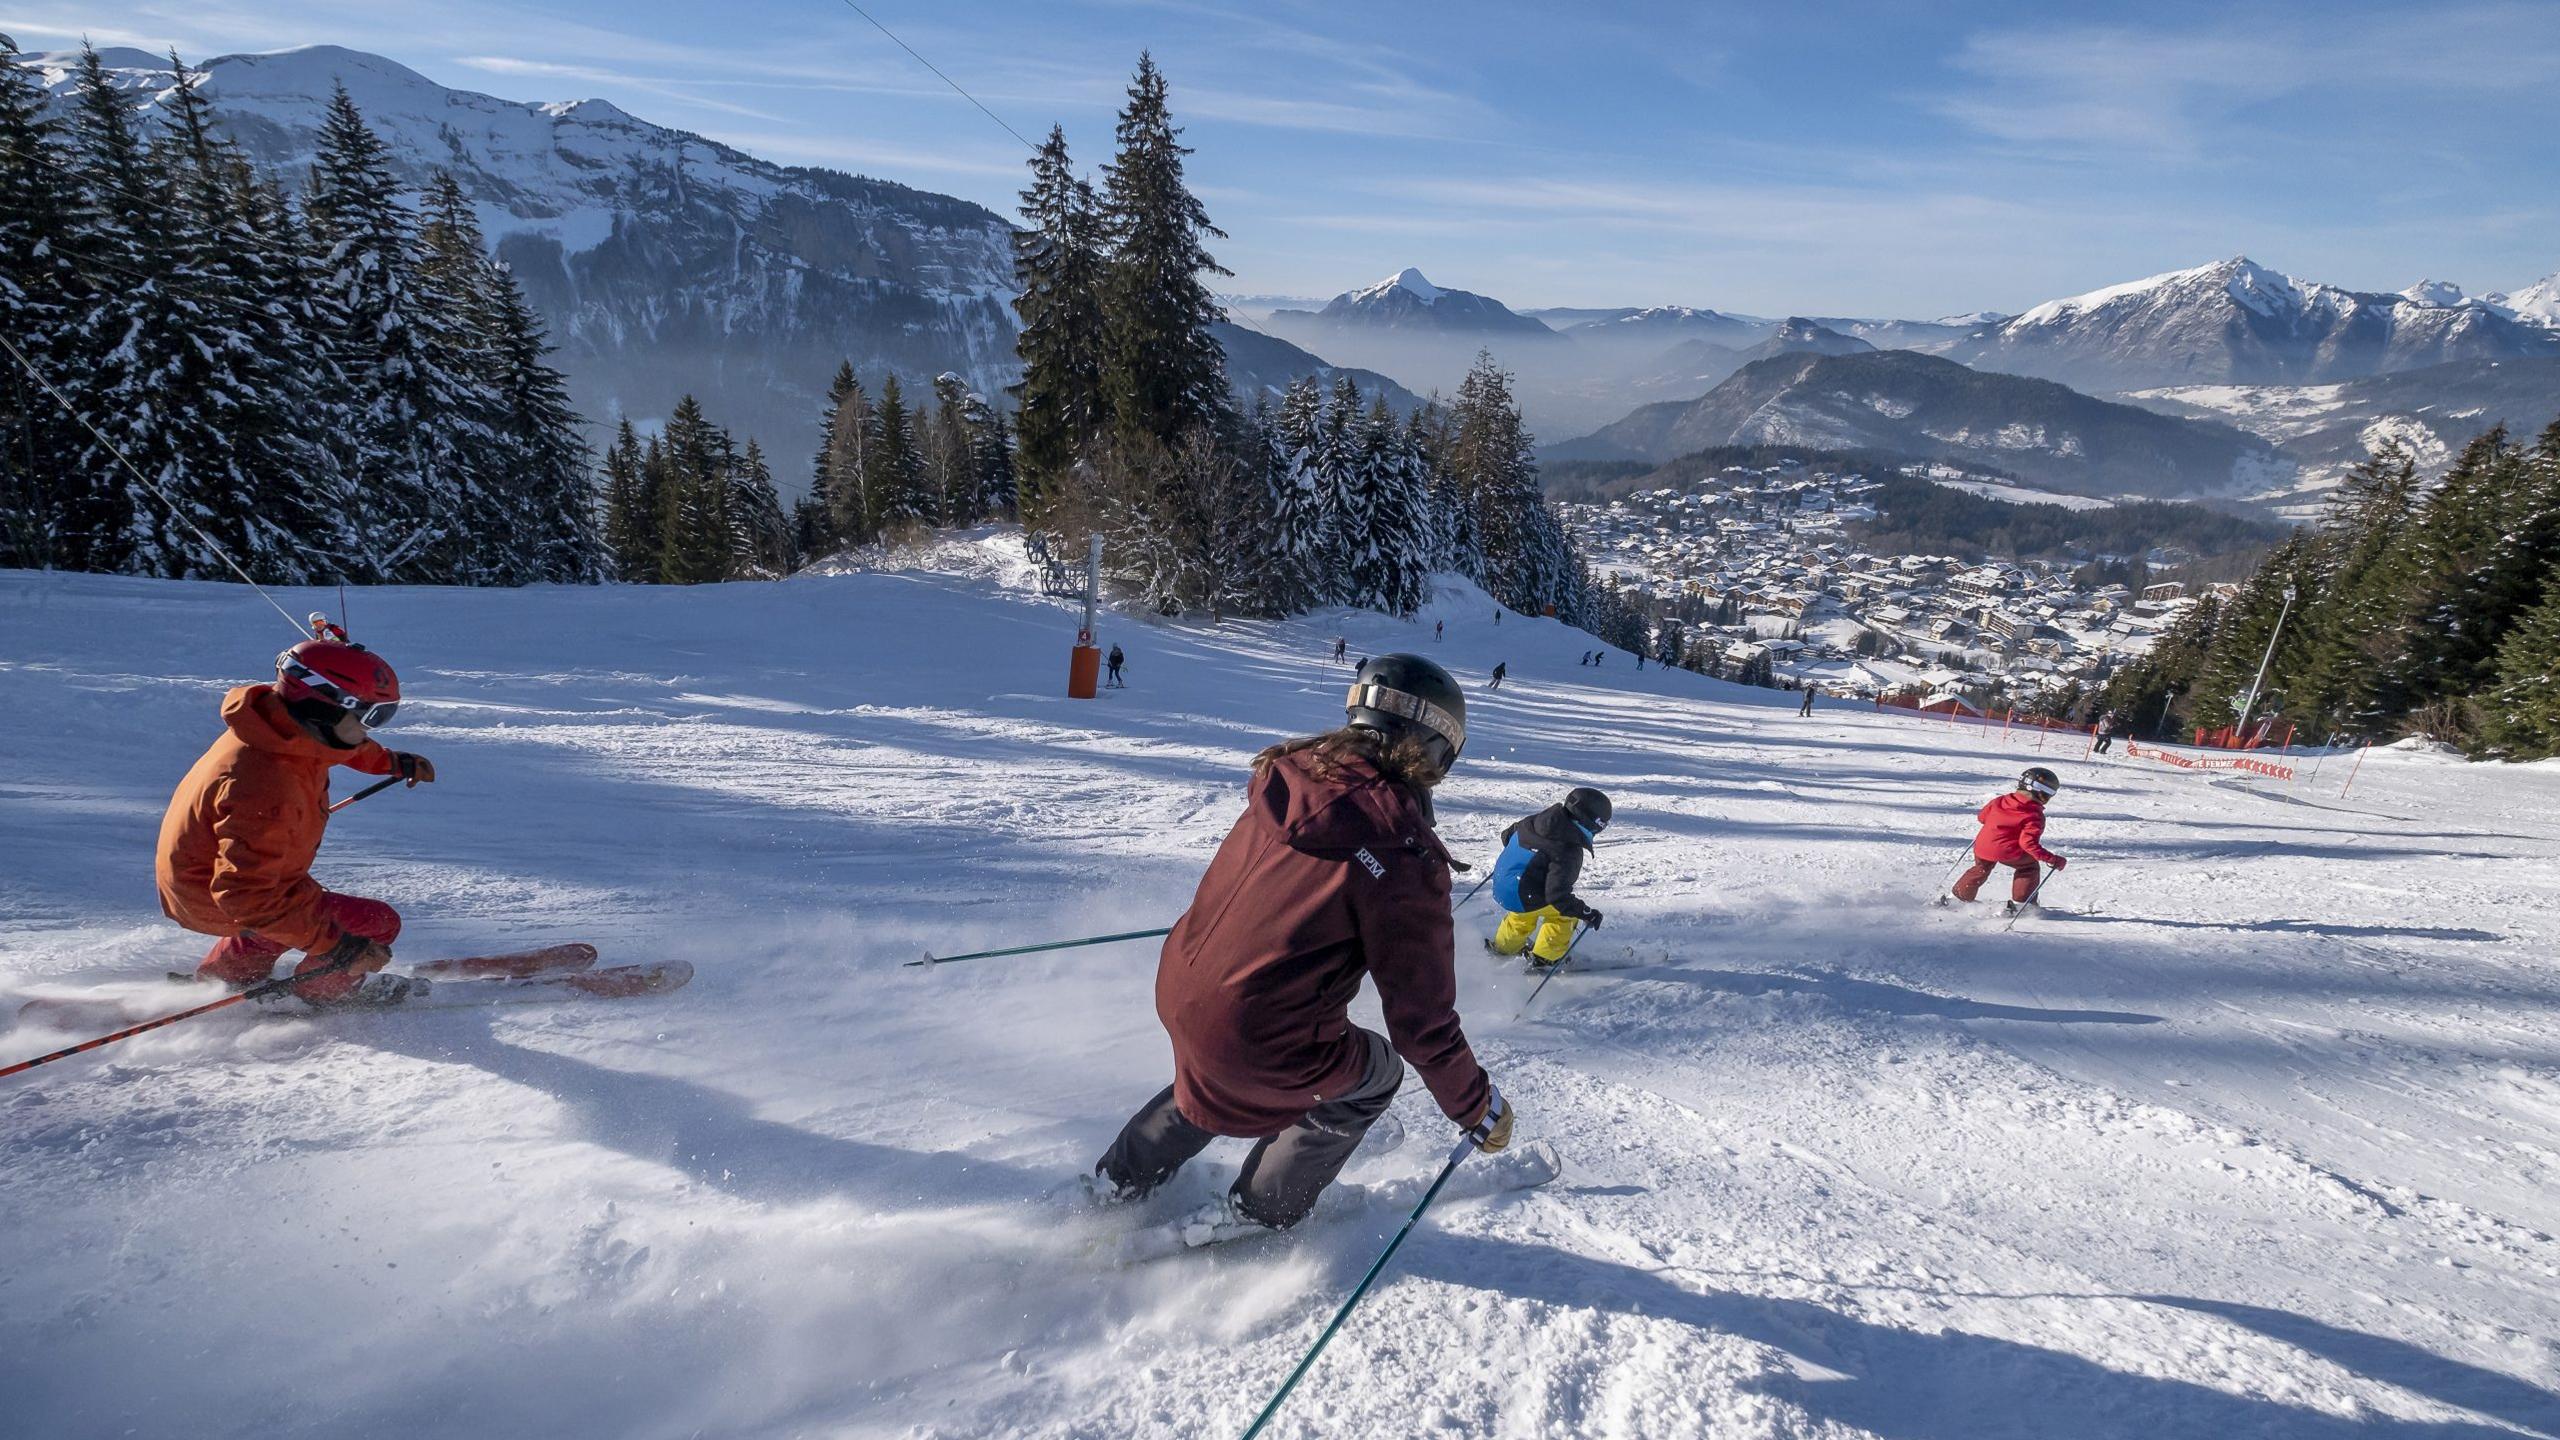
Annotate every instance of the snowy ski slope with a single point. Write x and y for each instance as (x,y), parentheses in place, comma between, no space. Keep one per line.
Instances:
(2266,1142)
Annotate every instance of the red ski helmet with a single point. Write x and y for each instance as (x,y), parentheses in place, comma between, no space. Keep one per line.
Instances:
(341,675)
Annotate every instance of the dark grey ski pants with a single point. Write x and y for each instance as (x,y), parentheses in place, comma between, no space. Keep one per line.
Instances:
(1283,1174)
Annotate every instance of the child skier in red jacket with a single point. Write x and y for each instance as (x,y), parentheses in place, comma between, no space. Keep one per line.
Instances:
(2012,834)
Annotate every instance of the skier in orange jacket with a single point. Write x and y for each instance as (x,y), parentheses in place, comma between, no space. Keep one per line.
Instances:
(240,834)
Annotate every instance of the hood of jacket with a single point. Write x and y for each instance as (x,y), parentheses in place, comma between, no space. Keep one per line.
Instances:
(256,713)
(1336,813)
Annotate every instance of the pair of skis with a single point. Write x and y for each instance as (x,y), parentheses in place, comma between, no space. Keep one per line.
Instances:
(554,972)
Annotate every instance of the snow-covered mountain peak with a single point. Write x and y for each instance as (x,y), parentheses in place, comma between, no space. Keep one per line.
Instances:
(2437,293)
(2538,303)
(1409,280)
(1974,319)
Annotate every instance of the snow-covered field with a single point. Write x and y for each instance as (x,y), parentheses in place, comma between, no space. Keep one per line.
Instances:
(2265,1142)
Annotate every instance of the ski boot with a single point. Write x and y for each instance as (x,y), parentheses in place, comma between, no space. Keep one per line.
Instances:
(378,990)
(2016,908)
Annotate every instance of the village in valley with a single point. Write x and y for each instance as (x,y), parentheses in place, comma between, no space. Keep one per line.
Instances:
(1758,576)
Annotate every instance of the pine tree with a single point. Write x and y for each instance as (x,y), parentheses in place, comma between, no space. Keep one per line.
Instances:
(991,461)
(847,463)
(698,542)
(2241,642)
(898,474)
(630,511)
(1058,269)
(2520,715)
(1348,491)
(456,318)
(543,457)
(2350,620)
(817,523)
(38,290)
(1163,371)
(125,343)
(759,538)
(951,479)
(1400,581)
(1300,562)
(402,454)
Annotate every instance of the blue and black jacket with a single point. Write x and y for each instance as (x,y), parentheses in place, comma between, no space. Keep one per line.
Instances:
(1541,858)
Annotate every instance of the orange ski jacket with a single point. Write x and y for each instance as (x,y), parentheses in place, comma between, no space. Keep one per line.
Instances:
(237,843)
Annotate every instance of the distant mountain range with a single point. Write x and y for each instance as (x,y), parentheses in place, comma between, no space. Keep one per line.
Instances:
(2433,412)
(1906,403)
(2237,322)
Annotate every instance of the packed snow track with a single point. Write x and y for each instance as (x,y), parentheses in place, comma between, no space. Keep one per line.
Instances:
(2258,1136)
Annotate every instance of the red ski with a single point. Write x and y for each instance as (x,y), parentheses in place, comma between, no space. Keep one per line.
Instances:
(148,998)
(575,956)
(615,983)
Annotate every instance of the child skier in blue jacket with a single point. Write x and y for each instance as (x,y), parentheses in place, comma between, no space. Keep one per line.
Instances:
(1533,880)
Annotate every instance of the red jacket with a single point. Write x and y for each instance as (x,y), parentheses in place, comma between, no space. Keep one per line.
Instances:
(237,843)
(1320,882)
(2013,831)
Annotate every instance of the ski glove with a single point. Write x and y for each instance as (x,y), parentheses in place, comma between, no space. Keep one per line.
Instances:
(1493,1131)
(2061,864)
(416,769)
(1591,918)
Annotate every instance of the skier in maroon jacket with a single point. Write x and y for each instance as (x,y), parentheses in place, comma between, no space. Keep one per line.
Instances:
(1332,873)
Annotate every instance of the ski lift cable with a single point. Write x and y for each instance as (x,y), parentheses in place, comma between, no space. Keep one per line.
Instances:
(937,70)
(153,486)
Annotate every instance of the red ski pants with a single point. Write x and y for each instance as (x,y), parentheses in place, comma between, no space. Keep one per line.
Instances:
(248,957)
(2022,880)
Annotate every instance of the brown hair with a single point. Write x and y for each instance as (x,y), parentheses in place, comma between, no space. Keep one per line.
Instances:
(1408,759)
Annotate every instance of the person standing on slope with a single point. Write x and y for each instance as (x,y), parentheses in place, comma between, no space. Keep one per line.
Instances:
(240,834)
(2105,732)
(1500,669)
(1341,647)
(1115,660)
(1807,707)
(2012,834)
(1534,878)
(1332,873)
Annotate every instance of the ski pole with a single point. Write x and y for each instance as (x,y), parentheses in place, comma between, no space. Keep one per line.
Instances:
(1551,972)
(376,788)
(252,993)
(1465,1144)
(2041,881)
(1471,894)
(932,959)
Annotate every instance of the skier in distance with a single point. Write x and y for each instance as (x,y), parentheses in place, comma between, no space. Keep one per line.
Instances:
(1500,669)
(240,834)
(2012,834)
(1534,878)
(1332,873)
(1115,660)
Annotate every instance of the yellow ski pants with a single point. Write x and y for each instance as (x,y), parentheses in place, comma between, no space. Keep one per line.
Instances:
(1554,930)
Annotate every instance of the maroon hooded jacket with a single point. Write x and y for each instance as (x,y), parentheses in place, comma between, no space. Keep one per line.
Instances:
(1320,882)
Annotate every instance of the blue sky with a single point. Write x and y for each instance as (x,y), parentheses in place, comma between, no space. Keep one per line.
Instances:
(1907,159)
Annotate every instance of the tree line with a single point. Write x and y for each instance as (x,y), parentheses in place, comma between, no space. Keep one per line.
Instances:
(1126,425)
(329,386)
(2415,610)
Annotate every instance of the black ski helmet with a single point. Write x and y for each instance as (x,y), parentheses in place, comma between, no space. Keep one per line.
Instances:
(1406,694)
(1589,808)
(2042,781)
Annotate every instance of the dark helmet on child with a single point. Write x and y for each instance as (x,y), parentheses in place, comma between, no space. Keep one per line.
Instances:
(1589,808)
(1399,695)
(2041,782)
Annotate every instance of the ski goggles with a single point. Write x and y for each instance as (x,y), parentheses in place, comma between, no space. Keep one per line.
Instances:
(372,715)
(2040,787)
(1405,705)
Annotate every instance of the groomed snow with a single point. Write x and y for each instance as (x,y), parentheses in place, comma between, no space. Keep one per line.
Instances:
(2262,1144)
